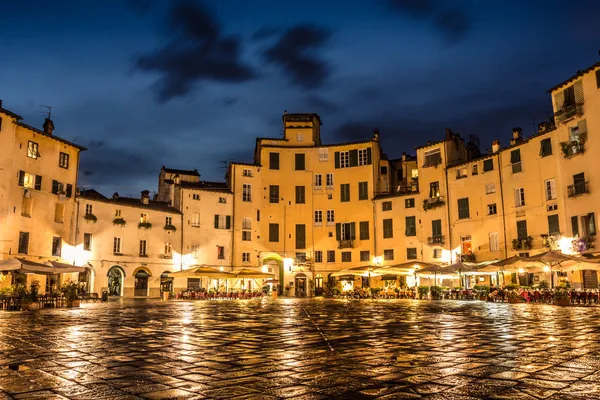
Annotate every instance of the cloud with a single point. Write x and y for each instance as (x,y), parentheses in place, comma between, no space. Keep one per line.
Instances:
(296,52)
(453,23)
(197,51)
(265,32)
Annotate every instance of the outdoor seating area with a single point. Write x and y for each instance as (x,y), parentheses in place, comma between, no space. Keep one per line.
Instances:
(214,295)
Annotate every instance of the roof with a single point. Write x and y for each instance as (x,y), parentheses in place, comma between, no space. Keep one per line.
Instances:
(162,206)
(180,171)
(577,75)
(12,114)
(318,145)
(430,144)
(480,158)
(395,194)
(287,116)
(206,185)
(243,163)
(51,136)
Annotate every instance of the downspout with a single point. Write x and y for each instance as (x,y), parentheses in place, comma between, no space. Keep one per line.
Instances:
(75,235)
(448,205)
(374,228)
(182,224)
(503,209)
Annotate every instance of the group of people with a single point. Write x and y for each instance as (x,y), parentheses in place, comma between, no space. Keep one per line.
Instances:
(220,295)
(547,296)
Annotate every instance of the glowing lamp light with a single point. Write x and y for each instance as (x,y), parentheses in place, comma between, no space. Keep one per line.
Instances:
(521,270)
(288,263)
(565,245)
(221,268)
(265,268)
(377,260)
(546,269)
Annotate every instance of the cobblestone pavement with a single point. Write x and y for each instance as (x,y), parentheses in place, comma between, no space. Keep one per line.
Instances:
(301,349)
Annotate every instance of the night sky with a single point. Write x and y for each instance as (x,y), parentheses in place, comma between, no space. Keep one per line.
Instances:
(191,85)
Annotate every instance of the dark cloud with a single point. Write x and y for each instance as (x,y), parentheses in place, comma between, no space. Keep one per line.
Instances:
(265,32)
(453,23)
(320,104)
(229,101)
(197,51)
(298,53)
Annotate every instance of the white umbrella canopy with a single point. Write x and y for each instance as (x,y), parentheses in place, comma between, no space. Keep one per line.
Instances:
(362,270)
(407,268)
(201,271)
(252,274)
(62,268)
(27,267)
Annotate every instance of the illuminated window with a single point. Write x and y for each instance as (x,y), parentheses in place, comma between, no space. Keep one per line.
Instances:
(32,150)
(63,160)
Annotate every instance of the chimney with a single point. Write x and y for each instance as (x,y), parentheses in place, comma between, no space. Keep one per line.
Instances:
(404,156)
(48,126)
(376,135)
(145,197)
(495,146)
(517,133)
(449,134)
(176,179)
(543,127)
(0,103)
(115,195)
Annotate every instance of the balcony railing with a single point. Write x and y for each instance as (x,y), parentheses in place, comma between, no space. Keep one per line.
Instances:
(470,258)
(346,244)
(578,189)
(433,202)
(568,111)
(573,148)
(438,239)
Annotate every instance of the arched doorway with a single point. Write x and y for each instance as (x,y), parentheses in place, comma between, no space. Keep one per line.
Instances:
(319,285)
(166,283)
(279,261)
(141,279)
(116,276)
(300,285)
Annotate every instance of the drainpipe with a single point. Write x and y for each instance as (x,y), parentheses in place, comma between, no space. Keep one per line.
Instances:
(232,217)
(502,201)
(448,204)
(374,228)
(182,224)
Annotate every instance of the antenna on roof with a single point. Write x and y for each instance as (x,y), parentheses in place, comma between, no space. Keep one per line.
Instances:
(225,164)
(49,112)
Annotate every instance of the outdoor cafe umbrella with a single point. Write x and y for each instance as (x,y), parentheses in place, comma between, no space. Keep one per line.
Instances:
(62,268)
(252,274)
(361,270)
(26,267)
(201,271)
(555,259)
(407,268)
(435,268)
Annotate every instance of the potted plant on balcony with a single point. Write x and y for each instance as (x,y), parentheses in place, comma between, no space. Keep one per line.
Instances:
(30,297)
(71,292)
(170,227)
(119,221)
(144,225)
(423,292)
(90,217)
(436,292)
(562,297)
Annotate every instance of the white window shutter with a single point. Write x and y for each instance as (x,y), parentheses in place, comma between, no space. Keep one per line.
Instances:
(494,245)
(517,198)
(553,188)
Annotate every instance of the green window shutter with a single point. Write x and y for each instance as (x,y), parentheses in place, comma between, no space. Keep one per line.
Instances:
(522,230)
(592,222)
(21,178)
(273,160)
(338,231)
(364,230)
(436,227)
(369,161)
(353,230)
(353,154)
(38,183)
(54,187)
(228,222)
(300,162)
(574,226)
(69,189)
(300,236)
(515,156)
(337,159)
(216,222)
(553,226)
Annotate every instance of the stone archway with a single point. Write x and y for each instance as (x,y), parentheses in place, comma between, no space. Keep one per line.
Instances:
(276,258)
(141,286)
(116,277)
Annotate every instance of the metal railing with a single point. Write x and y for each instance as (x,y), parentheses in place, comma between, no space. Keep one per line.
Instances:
(568,111)
(438,239)
(346,244)
(573,148)
(578,188)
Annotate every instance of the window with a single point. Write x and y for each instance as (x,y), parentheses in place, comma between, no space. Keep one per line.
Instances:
(318,217)
(545,147)
(434,189)
(519,197)
(432,157)
(195,222)
(246,236)
(409,203)
(588,225)
(144,218)
(273,232)
(300,195)
(195,196)
(223,200)
(490,188)
(330,217)
(323,154)
(362,157)
(386,206)
(329,181)
(488,165)
(300,164)
(388,255)
(32,150)
(247,172)
(346,256)
(411,253)
(57,187)
(494,243)
(193,284)
(87,242)
(56,246)
(318,256)
(388,228)
(195,251)
(363,227)
(222,222)
(383,170)
(23,242)
(273,160)
(345,231)
(492,209)
(345,192)
(550,186)
(258,215)
(436,229)
(299,137)
(143,248)
(579,185)
(411,226)
(246,223)
(117,213)
(300,236)
(522,230)
(117,245)
(247,192)
(273,194)
(63,160)
(88,209)
(474,169)
(553,226)
(365,255)
(461,173)
(30,181)
(168,250)
(318,181)
(463,208)
(27,206)
(552,207)
(344,159)
(574,226)
(437,253)
(168,221)
(363,190)
(598,78)
(330,256)
(220,252)
(515,160)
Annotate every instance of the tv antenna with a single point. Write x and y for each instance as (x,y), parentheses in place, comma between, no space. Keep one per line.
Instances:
(225,164)
(49,112)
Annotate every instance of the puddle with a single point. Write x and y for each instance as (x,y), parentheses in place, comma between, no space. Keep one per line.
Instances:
(15,367)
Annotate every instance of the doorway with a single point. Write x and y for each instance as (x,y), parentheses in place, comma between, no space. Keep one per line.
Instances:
(300,285)
(166,283)
(319,285)
(141,284)
(115,281)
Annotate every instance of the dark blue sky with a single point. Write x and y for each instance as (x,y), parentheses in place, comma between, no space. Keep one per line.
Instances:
(144,83)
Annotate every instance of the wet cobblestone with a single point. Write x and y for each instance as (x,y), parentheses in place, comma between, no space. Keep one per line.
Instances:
(265,349)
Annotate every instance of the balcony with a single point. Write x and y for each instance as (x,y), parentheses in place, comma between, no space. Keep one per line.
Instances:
(438,239)
(433,202)
(346,244)
(470,258)
(568,111)
(578,189)
(573,148)
(521,244)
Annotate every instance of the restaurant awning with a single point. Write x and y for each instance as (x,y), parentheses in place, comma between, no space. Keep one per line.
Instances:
(253,274)
(62,268)
(201,271)
(26,267)
(363,270)
(389,277)
(346,278)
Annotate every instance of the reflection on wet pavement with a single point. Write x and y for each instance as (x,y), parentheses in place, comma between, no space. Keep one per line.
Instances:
(301,349)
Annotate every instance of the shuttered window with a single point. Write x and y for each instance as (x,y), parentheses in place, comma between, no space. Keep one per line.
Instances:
(363,190)
(300,236)
(522,230)
(488,165)
(411,226)
(436,227)
(545,147)
(463,208)
(273,232)
(273,160)
(300,164)
(574,226)
(550,186)
(345,192)
(363,227)
(553,224)
(300,195)
(494,243)
(388,228)
(273,194)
